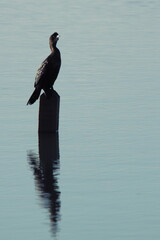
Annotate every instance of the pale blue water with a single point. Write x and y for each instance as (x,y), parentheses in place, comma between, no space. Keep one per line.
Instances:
(106,183)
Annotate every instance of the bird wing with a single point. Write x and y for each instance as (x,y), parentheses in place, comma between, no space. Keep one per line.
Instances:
(41,73)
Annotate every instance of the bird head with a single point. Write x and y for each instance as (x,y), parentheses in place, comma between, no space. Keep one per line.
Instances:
(53,39)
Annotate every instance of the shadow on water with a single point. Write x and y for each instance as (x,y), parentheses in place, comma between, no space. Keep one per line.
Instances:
(45,168)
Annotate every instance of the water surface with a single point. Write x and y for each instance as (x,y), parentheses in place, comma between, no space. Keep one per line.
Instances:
(103,173)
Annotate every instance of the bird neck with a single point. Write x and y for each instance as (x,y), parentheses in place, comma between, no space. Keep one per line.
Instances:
(53,47)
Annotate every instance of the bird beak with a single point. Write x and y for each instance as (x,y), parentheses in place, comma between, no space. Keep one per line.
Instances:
(58,37)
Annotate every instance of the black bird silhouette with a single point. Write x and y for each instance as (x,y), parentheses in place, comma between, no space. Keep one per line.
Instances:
(48,71)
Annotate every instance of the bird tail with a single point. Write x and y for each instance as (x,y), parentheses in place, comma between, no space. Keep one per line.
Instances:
(34,96)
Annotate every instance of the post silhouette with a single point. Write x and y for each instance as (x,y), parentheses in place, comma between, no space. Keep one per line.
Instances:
(49,113)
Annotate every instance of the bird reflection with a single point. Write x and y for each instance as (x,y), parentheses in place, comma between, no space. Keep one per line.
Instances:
(45,169)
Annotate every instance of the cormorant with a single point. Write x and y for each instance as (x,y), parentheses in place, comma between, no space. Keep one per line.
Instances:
(48,71)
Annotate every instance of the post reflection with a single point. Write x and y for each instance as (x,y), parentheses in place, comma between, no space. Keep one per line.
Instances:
(45,168)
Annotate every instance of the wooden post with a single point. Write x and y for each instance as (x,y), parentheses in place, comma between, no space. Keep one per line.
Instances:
(49,113)
(48,147)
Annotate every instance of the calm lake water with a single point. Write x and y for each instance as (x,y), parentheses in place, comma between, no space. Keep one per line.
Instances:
(105,180)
